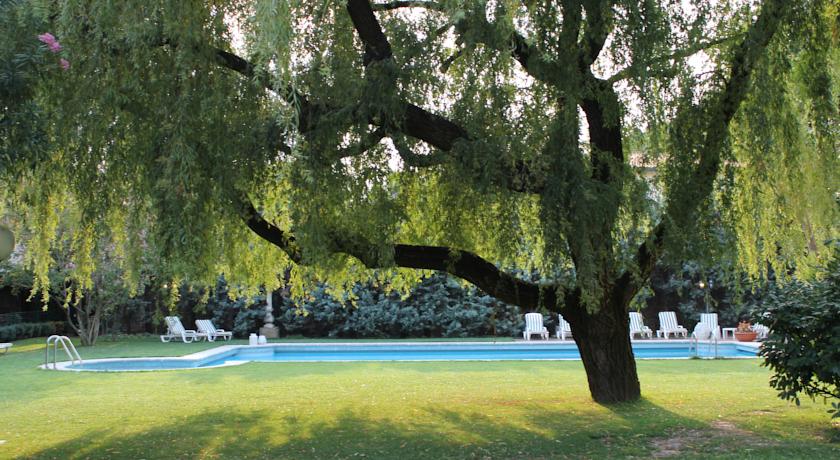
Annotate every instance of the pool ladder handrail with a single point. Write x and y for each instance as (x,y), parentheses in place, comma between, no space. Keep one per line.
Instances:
(68,346)
(695,343)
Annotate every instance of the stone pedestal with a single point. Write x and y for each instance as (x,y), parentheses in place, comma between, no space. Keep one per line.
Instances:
(269,331)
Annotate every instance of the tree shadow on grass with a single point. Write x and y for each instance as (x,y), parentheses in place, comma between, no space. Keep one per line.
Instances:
(269,372)
(530,430)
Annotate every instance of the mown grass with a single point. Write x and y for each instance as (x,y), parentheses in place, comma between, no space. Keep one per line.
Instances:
(690,409)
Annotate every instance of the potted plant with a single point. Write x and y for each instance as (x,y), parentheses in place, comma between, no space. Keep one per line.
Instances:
(744,333)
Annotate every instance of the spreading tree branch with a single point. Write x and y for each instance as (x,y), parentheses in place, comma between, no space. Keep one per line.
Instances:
(415,159)
(600,103)
(367,142)
(431,5)
(475,26)
(370,32)
(598,27)
(462,264)
(435,130)
(603,115)
(308,114)
(269,232)
(689,51)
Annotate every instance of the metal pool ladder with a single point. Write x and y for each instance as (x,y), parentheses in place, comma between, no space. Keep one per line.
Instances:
(65,342)
(712,346)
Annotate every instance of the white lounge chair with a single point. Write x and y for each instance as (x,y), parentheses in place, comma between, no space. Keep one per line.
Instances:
(761,330)
(534,325)
(5,347)
(206,326)
(175,330)
(563,328)
(708,327)
(637,326)
(668,325)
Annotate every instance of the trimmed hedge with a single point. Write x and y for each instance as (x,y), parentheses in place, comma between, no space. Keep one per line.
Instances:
(27,330)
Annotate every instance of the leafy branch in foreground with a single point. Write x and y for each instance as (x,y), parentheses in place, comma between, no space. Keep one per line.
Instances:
(803,347)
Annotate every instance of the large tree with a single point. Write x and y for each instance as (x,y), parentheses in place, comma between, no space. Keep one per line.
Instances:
(355,138)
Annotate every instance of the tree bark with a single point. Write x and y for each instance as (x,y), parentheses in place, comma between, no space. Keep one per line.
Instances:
(604,343)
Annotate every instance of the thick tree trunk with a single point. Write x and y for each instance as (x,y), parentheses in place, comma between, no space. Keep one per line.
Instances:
(604,343)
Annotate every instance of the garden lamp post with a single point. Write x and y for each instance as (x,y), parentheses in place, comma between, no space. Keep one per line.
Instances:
(706,293)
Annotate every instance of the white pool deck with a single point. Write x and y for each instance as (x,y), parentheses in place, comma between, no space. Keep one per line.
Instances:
(221,351)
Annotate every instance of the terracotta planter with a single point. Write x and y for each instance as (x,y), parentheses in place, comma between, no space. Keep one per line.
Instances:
(746,336)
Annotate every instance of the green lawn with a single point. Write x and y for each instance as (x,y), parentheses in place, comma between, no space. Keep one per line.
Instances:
(691,409)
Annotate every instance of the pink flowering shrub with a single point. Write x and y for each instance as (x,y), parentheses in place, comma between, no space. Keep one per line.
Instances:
(54,46)
(51,42)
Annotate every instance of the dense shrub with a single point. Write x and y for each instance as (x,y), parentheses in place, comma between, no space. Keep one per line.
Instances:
(437,307)
(242,315)
(803,348)
(26,330)
(248,320)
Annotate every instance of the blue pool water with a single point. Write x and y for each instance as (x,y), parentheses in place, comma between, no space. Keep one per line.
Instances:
(231,355)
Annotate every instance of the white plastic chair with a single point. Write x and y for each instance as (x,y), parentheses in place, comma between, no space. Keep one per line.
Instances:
(563,328)
(206,326)
(175,330)
(761,330)
(534,325)
(637,326)
(668,325)
(5,347)
(710,323)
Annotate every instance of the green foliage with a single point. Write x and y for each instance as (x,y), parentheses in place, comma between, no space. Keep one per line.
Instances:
(95,306)
(153,145)
(23,130)
(436,307)
(803,348)
(25,330)
(247,322)
(90,300)
(784,158)
(15,277)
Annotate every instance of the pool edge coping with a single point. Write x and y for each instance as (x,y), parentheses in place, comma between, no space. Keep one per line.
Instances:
(219,352)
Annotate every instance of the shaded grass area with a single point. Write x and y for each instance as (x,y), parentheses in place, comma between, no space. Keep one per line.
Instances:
(690,409)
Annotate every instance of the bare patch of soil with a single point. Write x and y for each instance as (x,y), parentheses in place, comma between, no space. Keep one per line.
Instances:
(674,444)
(729,428)
(721,433)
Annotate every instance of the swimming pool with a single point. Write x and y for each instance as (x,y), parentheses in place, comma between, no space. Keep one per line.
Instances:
(230,355)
